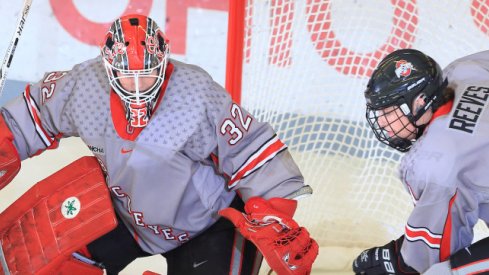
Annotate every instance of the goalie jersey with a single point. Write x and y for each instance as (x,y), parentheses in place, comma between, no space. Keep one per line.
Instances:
(447,170)
(169,179)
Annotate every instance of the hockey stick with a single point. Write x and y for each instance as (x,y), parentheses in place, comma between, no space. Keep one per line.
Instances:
(304,191)
(7,60)
(3,261)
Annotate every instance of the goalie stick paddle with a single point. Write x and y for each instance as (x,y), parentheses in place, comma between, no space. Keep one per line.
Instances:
(7,60)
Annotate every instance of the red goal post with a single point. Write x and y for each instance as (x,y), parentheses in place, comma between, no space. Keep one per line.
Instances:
(235,44)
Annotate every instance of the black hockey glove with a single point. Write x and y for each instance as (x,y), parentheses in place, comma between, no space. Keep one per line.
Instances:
(469,257)
(382,260)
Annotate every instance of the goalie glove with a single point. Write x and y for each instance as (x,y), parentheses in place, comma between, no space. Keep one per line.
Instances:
(382,260)
(286,246)
(9,157)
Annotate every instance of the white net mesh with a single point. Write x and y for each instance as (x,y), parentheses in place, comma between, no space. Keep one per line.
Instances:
(306,65)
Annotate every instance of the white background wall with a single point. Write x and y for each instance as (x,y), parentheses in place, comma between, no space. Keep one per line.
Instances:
(47,44)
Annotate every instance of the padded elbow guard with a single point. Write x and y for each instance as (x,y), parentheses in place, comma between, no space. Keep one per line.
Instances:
(9,157)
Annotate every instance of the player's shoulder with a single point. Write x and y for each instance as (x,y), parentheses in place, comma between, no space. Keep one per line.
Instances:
(474,66)
(77,70)
(195,81)
(57,86)
(433,156)
(189,71)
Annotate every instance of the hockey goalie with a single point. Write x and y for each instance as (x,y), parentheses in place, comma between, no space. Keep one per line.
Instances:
(187,169)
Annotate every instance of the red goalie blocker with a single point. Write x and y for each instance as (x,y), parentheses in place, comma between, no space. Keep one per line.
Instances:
(57,216)
(286,246)
(9,157)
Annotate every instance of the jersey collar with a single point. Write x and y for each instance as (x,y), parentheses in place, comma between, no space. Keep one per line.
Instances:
(442,110)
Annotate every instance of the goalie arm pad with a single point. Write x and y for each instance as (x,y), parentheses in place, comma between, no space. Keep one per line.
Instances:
(268,224)
(9,157)
(381,260)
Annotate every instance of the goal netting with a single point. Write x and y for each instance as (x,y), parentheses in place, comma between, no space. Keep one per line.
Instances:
(304,69)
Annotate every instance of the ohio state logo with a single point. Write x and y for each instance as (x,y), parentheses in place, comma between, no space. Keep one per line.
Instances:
(70,207)
(403,68)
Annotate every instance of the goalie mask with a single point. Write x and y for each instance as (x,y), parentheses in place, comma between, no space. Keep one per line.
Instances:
(401,79)
(135,54)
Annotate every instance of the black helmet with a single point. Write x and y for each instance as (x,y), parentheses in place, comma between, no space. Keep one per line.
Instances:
(400,78)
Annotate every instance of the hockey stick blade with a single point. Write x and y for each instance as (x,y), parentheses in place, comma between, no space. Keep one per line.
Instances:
(304,191)
(9,55)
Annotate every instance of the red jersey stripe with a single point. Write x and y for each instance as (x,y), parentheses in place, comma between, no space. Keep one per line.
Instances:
(447,232)
(35,116)
(423,234)
(258,160)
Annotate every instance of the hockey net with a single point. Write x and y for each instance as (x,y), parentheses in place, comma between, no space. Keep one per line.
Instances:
(305,65)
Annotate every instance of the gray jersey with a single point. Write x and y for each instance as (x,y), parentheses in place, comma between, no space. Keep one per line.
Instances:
(447,170)
(198,150)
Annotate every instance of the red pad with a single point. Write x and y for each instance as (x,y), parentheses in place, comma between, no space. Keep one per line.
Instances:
(55,217)
(286,246)
(9,157)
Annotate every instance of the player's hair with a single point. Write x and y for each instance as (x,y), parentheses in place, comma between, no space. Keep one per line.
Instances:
(448,94)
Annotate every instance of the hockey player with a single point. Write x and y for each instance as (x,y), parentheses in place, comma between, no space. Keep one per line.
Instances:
(176,151)
(440,119)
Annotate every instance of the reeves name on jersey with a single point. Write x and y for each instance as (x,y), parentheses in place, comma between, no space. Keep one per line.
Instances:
(469,108)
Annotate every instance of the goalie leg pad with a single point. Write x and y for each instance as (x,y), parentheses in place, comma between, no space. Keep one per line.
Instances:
(55,217)
(9,157)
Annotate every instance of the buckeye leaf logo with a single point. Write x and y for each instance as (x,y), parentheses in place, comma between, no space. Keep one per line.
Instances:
(70,207)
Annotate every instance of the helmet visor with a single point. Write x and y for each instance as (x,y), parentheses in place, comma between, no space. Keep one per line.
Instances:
(136,86)
(392,126)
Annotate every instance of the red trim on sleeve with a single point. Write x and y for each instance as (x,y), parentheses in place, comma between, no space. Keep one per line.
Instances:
(423,234)
(35,114)
(446,239)
(215,159)
(256,160)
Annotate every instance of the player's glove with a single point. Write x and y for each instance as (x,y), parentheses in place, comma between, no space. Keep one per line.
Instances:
(382,260)
(9,157)
(286,246)
(473,258)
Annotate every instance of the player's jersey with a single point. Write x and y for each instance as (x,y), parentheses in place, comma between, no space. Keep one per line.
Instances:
(447,169)
(169,179)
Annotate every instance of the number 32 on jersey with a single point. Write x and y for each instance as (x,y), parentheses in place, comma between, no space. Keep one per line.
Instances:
(236,126)
(49,85)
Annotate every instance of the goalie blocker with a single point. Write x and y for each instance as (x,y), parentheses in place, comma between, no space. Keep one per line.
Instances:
(286,246)
(54,218)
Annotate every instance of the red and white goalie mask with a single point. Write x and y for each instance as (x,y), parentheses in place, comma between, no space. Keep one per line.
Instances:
(135,55)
